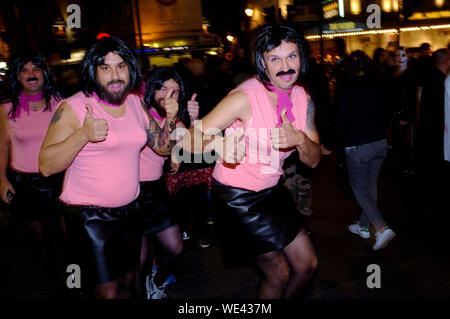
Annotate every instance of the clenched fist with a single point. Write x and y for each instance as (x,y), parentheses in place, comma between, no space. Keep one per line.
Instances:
(95,130)
(170,105)
(231,148)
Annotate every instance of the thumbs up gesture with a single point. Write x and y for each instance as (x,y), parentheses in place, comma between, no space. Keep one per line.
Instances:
(286,136)
(170,105)
(95,130)
(232,149)
(193,108)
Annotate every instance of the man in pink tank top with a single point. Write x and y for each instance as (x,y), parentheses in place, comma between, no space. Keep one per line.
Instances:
(256,215)
(97,135)
(23,124)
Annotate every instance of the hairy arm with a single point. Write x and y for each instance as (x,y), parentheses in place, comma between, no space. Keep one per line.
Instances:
(206,133)
(309,146)
(65,138)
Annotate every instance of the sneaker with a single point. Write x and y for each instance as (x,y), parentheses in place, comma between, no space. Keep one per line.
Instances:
(204,242)
(185,236)
(158,292)
(356,229)
(382,239)
(150,285)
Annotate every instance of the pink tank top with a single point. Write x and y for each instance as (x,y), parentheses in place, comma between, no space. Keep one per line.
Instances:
(261,167)
(27,133)
(106,174)
(151,163)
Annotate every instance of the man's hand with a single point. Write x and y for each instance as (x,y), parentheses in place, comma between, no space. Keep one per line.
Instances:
(230,148)
(6,190)
(324,150)
(174,166)
(95,130)
(170,105)
(193,108)
(286,136)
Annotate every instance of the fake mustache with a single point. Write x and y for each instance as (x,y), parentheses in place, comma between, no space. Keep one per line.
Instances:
(285,72)
(32,79)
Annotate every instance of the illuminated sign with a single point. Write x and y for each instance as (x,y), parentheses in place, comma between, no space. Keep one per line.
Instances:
(430,15)
(342,26)
(331,10)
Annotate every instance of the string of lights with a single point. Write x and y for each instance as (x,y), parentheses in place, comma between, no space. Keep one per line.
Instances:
(380,31)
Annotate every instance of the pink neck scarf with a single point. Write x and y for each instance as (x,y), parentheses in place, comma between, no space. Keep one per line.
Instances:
(104,102)
(284,102)
(24,103)
(155,114)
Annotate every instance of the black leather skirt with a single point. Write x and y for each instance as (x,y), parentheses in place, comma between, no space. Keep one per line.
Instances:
(36,197)
(106,242)
(155,207)
(253,223)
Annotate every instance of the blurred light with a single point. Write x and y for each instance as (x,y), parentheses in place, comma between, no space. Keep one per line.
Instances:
(395,5)
(355,6)
(230,38)
(211,52)
(249,12)
(386,5)
(102,35)
(3,65)
(430,15)
(439,3)
(341,8)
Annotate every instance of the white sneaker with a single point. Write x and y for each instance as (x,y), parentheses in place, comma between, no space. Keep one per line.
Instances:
(382,239)
(356,229)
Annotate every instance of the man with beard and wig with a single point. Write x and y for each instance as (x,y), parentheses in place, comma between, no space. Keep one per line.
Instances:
(154,199)
(256,215)
(23,124)
(97,136)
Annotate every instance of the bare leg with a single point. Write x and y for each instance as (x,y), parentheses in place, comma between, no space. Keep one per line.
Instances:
(303,263)
(108,290)
(126,286)
(275,269)
(37,229)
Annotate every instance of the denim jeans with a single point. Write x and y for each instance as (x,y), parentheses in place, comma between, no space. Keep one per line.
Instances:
(363,164)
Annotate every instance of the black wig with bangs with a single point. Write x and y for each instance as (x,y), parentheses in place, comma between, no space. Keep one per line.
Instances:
(269,38)
(49,88)
(155,82)
(96,56)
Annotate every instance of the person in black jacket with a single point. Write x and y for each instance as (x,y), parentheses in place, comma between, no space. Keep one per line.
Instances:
(361,129)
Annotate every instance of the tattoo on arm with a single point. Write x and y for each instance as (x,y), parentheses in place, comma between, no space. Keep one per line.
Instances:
(166,134)
(152,133)
(310,115)
(158,138)
(57,116)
